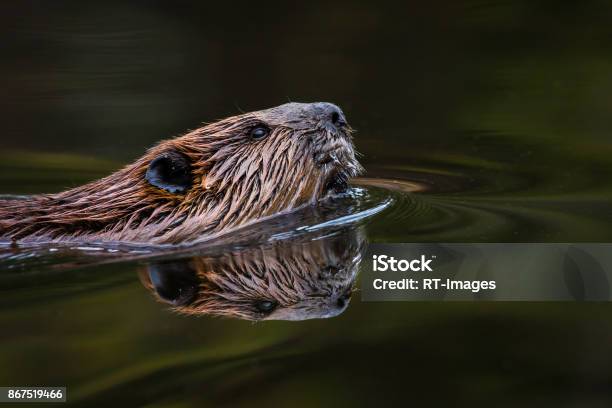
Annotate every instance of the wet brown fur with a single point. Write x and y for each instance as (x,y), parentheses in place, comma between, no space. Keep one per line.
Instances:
(313,279)
(236,181)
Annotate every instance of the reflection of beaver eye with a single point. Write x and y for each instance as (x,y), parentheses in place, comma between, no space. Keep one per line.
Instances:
(265,306)
(259,132)
(329,272)
(332,270)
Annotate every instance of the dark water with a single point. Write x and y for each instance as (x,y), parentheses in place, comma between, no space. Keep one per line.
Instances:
(480,121)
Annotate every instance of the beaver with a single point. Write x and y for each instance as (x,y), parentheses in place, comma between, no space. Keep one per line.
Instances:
(284,280)
(206,182)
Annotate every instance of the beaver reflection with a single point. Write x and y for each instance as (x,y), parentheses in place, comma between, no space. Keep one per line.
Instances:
(281,281)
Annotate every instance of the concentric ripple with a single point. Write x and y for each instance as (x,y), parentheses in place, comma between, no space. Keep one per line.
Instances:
(494,204)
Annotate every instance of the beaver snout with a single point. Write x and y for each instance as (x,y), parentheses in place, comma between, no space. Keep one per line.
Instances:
(336,183)
(329,114)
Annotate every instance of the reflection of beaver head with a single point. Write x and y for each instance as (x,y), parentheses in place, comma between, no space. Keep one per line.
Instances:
(212,179)
(284,281)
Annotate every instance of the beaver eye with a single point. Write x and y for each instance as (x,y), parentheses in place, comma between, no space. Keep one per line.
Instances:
(259,132)
(265,306)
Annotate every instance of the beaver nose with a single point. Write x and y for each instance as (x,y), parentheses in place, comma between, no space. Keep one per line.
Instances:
(330,113)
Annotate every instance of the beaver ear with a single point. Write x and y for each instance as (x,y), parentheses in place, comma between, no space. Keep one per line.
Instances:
(170,171)
(174,282)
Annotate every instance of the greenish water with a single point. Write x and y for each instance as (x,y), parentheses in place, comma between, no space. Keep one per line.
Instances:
(480,121)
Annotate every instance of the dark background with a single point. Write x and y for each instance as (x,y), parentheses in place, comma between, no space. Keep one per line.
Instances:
(109,78)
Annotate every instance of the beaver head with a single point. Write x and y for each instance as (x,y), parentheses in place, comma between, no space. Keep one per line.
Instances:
(221,176)
(279,281)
